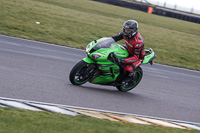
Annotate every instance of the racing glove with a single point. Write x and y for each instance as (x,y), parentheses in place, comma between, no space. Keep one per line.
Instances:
(121,61)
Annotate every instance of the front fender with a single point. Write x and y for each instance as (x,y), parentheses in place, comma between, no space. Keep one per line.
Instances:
(88,60)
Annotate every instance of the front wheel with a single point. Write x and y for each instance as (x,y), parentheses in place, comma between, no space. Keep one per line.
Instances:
(80,73)
(128,85)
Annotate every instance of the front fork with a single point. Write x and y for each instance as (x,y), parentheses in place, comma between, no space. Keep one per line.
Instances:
(90,71)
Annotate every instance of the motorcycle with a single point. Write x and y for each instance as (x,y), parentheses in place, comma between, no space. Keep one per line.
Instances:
(102,67)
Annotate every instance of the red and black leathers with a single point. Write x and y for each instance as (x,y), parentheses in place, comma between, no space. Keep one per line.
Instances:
(135,47)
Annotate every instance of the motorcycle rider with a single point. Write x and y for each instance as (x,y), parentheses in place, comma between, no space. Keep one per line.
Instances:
(134,44)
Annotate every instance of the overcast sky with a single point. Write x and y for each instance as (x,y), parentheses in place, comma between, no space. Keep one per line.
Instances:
(186,5)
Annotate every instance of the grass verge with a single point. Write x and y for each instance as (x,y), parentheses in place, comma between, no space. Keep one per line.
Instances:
(75,23)
(24,121)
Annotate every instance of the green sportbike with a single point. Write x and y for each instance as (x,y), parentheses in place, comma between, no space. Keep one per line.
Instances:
(101,66)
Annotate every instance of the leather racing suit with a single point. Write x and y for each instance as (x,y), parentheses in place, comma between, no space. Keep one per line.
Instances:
(135,47)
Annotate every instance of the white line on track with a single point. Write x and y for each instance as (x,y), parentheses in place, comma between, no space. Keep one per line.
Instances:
(106,111)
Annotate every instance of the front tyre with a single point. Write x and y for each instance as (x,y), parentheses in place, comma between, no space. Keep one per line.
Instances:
(130,84)
(79,73)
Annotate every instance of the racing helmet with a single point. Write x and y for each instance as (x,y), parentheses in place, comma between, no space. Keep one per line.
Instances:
(130,28)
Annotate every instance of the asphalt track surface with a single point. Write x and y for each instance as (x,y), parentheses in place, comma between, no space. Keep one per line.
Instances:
(37,71)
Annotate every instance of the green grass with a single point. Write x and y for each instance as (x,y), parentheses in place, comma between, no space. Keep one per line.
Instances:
(24,121)
(75,23)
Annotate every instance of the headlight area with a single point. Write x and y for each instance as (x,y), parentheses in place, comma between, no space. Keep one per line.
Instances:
(87,48)
(95,56)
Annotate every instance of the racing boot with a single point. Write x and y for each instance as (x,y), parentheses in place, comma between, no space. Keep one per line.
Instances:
(131,74)
(130,78)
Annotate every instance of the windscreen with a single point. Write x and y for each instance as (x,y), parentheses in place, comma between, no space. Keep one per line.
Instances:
(104,43)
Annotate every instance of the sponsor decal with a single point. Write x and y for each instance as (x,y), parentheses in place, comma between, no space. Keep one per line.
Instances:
(131,61)
(101,54)
(128,43)
(135,39)
(138,64)
(121,53)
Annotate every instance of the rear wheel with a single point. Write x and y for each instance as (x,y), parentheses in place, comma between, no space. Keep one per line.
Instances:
(128,85)
(80,73)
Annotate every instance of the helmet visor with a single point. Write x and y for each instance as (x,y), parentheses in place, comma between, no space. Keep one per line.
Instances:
(129,31)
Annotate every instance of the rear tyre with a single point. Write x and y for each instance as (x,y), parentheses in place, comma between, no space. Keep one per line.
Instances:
(127,86)
(79,73)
